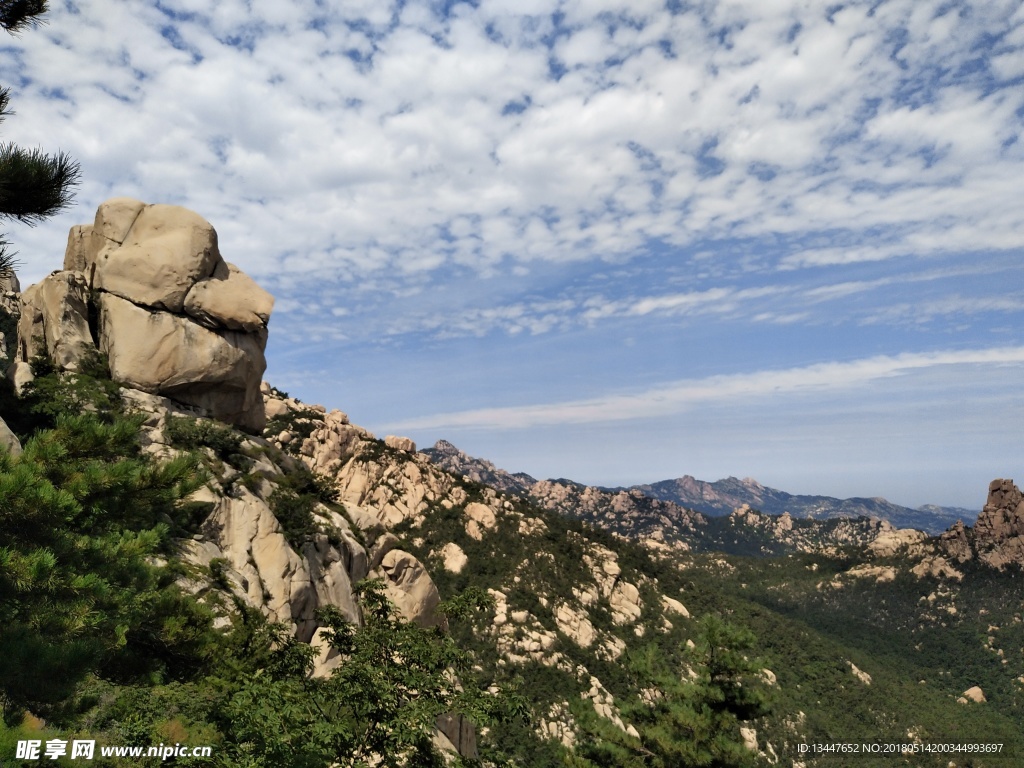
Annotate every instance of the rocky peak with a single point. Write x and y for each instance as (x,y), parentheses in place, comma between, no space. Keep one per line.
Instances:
(999,530)
(451,459)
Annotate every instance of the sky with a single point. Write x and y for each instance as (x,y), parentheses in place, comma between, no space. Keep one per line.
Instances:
(617,241)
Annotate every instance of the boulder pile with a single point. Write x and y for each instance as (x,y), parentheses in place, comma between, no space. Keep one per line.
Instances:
(146,286)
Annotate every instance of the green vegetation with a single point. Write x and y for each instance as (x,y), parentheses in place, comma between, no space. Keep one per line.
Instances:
(195,434)
(101,643)
(396,680)
(300,424)
(55,393)
(79,519)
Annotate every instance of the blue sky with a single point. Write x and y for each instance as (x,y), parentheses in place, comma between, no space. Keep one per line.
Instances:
(612,240)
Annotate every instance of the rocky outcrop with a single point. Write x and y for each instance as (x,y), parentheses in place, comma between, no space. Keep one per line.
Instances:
(956,542)
(400,443)
(243,549)
(774,534)
(410,588)
(626,512)
(55,320)
(10,303)
(286,585)
(975,695)
(575,625)
(997,537)
(8,440)
(891,540)
(999,530)
(147,287)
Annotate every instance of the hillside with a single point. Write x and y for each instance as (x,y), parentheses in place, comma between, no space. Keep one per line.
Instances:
(191,556)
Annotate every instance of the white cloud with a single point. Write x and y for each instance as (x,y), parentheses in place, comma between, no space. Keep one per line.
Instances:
(669,399)
(315,149)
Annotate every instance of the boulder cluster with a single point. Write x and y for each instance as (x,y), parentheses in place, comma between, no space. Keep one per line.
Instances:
(146,286)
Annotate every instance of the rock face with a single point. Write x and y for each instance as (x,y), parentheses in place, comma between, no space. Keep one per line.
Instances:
(55,320)
(410,587)
(10,295)
(171,355)
(8,440)
(147,287)
(999,531)
(997,537)
(243,549)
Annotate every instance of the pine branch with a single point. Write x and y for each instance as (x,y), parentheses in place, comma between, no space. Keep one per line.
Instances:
(7,260)
(16,15)
(34,185)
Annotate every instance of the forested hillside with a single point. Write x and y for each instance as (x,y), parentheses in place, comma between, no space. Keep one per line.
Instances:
(586,648)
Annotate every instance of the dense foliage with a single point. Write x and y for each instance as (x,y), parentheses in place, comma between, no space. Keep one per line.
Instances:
(80,518)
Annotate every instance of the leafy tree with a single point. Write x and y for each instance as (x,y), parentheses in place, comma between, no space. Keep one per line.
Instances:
(33,184)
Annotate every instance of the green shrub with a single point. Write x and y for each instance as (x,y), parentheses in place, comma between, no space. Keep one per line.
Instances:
(294,511)
(54,392)
(193,434)
(299,423)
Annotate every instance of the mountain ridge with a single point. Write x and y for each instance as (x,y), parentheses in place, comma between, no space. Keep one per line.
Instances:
(716,499)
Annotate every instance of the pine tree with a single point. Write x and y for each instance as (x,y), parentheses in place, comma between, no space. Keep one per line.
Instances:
(695,721)
(33,184)
(82,513)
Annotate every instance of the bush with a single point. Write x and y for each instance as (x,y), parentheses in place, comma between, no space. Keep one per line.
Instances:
(294,511)
(194,434)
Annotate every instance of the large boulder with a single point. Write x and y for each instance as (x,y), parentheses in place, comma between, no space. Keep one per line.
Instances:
(165,253)
(86,242)
(267,572)
(410,588)
(55,320)
(229,298)
(168,354)
(8,440)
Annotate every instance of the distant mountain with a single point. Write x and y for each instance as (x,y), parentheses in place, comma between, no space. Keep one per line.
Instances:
(723,496)
(623,511)
(665,511)
(451,459)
